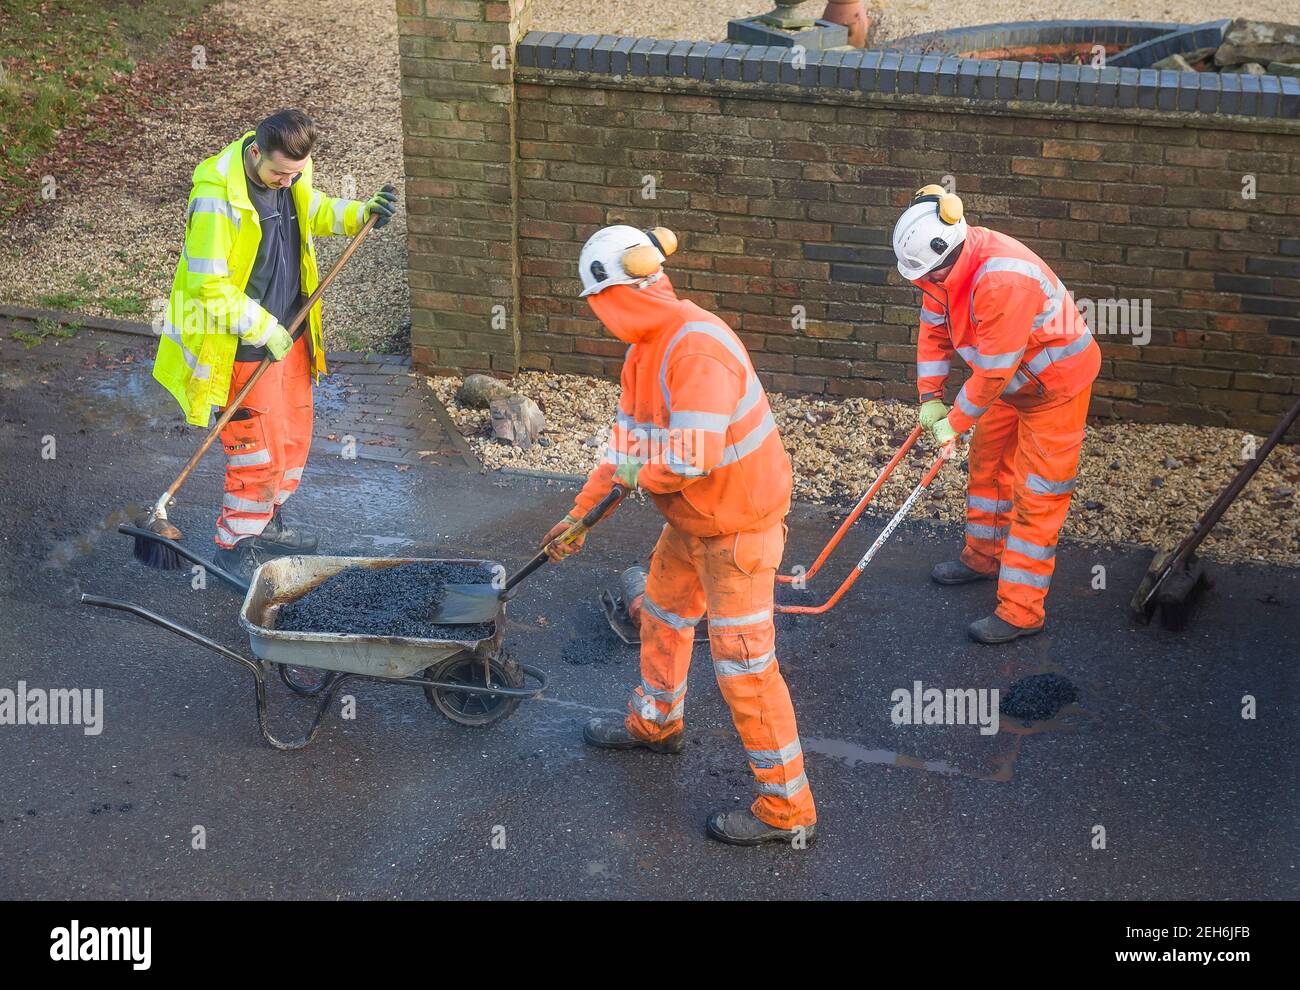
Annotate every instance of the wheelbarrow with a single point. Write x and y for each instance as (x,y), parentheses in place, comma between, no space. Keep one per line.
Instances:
(471,682)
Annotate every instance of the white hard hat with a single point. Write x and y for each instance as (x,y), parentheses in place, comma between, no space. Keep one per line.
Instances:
(928,231)
(622,255)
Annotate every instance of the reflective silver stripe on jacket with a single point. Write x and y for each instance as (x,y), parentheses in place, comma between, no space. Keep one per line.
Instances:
(932,318)
(1049,355)
(719,622)
(1015,575)
(750,442)
(1041,486)
(211,204)
(925,369)
(736,668)
(250,459)
(666,617)
(783,790)
(982,532)
(969,408)
(1030,549)
(293,474)
(205,266)
(314,205)
(191,359)
(766,759)
(989,504)
(707,421)
(1020,267)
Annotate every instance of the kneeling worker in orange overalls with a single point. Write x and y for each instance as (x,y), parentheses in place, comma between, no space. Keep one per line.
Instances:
(694,429)
(1033,360)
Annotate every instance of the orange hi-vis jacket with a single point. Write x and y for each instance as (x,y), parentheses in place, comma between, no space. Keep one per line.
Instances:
(693,413)
(1011,319)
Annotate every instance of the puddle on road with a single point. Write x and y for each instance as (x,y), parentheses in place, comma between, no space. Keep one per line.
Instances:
(67,551)
(123,403)
(852,754)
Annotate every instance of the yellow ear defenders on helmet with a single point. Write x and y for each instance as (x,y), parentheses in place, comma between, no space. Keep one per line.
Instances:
(949,204)
(645,259)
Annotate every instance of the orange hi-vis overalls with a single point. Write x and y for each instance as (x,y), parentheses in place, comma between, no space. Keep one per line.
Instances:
(266,442)
(1033,361)
(693,412)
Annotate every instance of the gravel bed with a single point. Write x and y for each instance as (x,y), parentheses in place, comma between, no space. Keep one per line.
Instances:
(1138,483)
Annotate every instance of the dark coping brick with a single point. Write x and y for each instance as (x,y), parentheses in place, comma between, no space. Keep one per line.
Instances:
(1069,90)
(1127,95)
(695,59)
(565,51)
(751,66)
(731,61)
(1210,92)
(658,60)
(677,58)
(948,75)
(887,80)
(1189,90)
(1242,283)
(1284,328)
(1049,81)
(986,83)
(1108,86)
(546,50)
(1270,91)
(1086,93)
(1270,266)
(1229,93)
(638,61)
(1148,87)
(772,64)
(1289,101)
(789,73)
(828,68)
(850,64)
(620,57)
(927,82)
(526,50)
(582,54)
(1167,91)
(713,60)
(862,276)
(811,73)
(1287,245)
(869,72)
(1250,94)
(1008,79)
(601,53)
(1027,86)
(967,76)
(909,70)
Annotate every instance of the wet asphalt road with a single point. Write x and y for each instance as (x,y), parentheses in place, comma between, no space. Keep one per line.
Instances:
(1195,800)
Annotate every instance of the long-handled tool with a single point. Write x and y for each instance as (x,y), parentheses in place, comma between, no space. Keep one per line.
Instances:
(1175,576)
(155,553)
(944,454)
(463,604)
(852,517)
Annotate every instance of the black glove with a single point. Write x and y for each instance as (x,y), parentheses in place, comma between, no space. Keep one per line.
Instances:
(382,203)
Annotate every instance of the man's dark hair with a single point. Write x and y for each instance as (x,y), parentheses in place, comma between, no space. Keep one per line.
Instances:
(289,132)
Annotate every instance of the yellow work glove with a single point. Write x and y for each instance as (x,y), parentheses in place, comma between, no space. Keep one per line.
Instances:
(943,432)
(931,412)
(558,551)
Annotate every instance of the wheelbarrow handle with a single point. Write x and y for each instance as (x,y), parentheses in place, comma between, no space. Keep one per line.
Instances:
(594,515)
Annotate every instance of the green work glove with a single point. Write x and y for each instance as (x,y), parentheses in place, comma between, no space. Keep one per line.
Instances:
(627,474)
(382,203)
(279,343)
(943,432)
(931,412)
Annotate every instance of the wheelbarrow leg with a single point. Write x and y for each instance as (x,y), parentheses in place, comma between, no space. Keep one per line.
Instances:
(259,674)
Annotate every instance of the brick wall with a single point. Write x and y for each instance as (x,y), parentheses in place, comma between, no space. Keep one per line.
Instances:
(783,194)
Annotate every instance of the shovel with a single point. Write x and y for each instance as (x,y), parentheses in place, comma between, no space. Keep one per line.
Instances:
(465,604)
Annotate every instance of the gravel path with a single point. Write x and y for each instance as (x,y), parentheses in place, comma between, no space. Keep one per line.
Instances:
(1138,483)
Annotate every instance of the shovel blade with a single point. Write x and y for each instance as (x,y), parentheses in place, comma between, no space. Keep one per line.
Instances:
(467,604)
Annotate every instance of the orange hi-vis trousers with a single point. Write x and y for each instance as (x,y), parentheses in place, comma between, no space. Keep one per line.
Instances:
(266,443)
(732,579)
(1023,464)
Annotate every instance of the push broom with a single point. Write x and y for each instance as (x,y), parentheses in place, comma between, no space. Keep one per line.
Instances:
(155,553)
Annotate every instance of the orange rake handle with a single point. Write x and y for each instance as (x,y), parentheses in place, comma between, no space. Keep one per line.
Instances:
(857,511)
(945,454)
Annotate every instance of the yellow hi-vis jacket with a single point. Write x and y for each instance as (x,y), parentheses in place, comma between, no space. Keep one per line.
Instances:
(207,313)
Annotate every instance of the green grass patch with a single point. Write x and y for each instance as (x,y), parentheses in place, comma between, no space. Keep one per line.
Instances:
(44,330)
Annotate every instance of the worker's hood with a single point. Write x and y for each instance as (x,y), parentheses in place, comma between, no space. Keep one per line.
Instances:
(636,315)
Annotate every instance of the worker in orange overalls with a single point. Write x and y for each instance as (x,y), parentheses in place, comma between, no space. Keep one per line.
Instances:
(694,429)
(1033,360)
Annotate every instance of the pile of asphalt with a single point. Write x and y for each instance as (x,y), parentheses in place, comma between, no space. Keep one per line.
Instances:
(385,601)
(1038,696)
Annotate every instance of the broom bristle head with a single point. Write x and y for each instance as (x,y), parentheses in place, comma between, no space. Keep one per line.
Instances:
(157,555)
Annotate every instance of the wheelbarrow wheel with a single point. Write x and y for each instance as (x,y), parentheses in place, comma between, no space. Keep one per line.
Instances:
(306,681)
(471,708)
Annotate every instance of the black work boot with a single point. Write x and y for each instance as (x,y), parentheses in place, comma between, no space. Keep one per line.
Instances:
(279,538)
(995,629)
(240,560)
(744,828)
(955,572)
(608,733)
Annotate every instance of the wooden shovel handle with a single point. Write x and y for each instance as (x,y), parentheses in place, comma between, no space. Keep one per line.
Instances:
(232,407)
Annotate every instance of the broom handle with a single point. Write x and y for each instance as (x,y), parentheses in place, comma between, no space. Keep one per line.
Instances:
(233,406)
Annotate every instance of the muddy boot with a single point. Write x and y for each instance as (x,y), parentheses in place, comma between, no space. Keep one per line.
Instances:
(955,572)
(995,629)
(743,828)
(279,538)
(608,733)
(240,560)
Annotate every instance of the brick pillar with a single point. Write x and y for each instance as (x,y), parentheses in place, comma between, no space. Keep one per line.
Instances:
(458,124)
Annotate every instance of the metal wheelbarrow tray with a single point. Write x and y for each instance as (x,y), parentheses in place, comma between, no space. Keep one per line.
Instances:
(471,682)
